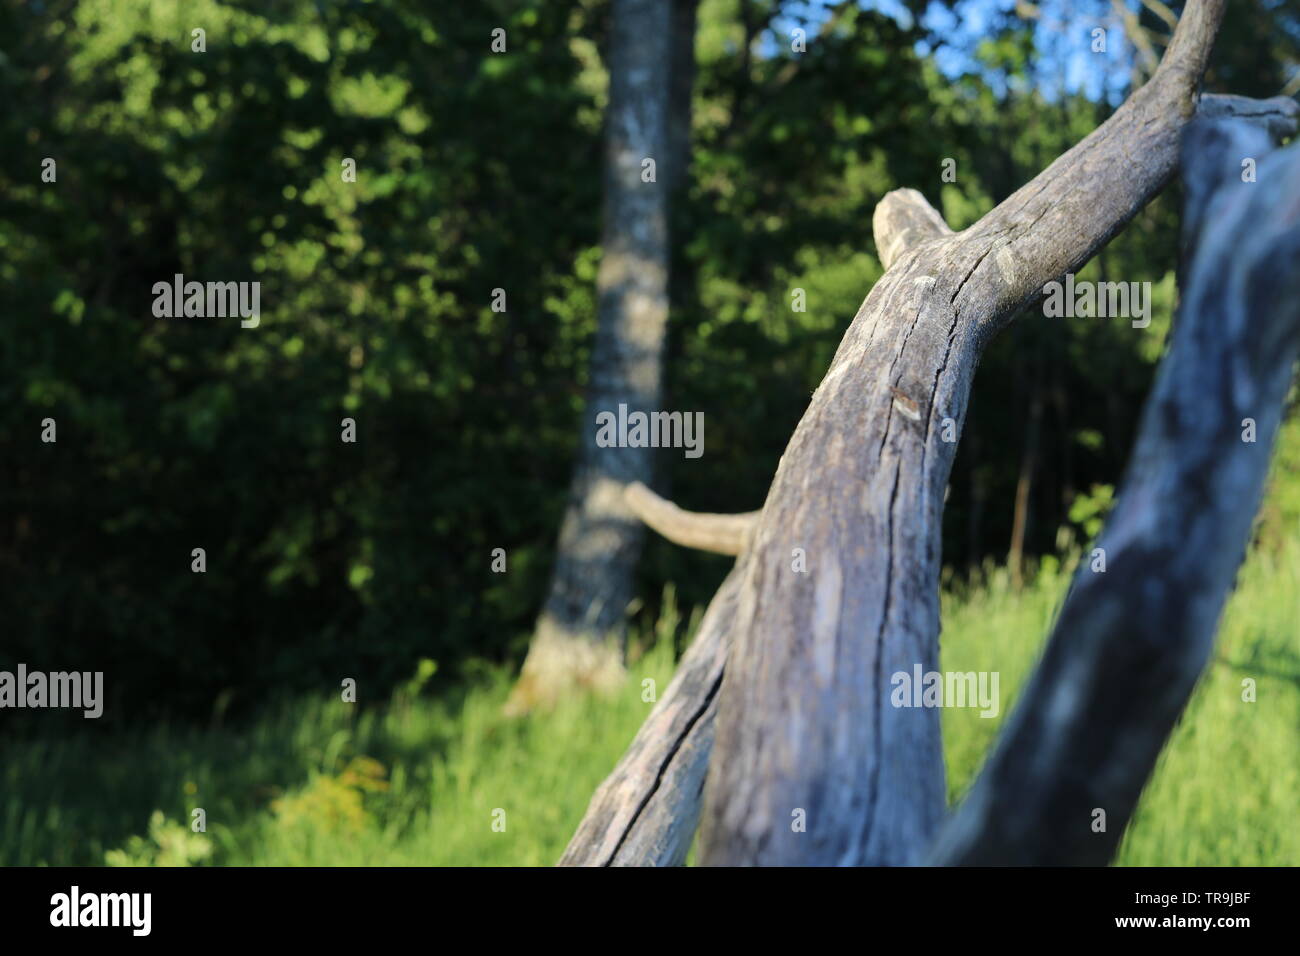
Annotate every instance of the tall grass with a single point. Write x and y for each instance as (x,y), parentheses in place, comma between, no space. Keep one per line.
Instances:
(1226,789)
(422,781)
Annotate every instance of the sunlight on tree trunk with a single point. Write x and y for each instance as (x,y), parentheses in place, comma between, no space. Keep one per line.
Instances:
(579,636)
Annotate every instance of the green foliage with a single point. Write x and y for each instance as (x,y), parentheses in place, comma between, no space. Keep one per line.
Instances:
(331,807)
(475,172)
(168,844)
(1088,511)
(176,434)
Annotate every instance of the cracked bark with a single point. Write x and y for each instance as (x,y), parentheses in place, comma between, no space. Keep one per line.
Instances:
(645,813)
(800,718)
(803,720)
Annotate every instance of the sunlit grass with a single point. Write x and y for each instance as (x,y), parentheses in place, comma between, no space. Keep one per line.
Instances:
(422,781)
(1226,790)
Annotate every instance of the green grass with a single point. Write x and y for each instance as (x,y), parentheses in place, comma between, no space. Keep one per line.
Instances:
(418,781)
(1226,789)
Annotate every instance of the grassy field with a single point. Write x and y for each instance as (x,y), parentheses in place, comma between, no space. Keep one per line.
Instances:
(421,781)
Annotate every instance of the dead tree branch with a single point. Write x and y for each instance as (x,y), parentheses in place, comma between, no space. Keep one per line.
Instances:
(902,221)
(646,811)
(804,726)
(802,720)
(1133,639)
(721,534)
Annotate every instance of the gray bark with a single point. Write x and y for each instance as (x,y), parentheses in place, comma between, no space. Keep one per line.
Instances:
(1131,642)
(1276,116)
(929,317)
(646,811)
(804,722)
(902,221)
(600,539)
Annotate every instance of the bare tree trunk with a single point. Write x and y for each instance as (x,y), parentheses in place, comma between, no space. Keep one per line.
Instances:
(1025,481)
(811,763)
(578,638)
(839,581)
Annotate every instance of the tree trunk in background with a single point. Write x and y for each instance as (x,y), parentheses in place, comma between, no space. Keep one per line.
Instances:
(578,643)
(1024,484)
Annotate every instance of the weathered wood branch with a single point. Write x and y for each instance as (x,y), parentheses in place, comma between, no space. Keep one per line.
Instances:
(802,723)
(1224,142)
(634,818)
(645,813)
(1132,640)
(721,534)
(617,829)
(902,221)
(1277,116)
(804,727)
